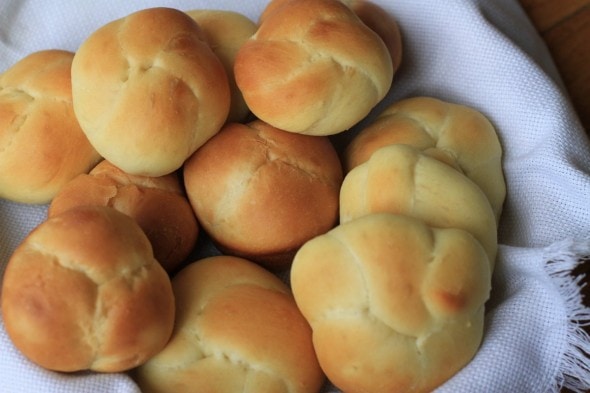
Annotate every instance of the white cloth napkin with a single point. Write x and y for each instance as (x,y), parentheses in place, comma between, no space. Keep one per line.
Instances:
(485,54)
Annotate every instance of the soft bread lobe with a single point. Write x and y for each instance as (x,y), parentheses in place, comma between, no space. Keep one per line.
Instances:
(382,23)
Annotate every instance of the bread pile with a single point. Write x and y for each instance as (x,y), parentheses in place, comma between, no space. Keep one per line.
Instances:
(396,293)
(202,125)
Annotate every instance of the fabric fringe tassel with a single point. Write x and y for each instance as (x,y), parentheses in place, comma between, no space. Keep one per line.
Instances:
(562,259)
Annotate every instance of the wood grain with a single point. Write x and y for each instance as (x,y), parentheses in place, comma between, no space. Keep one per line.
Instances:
(565,27)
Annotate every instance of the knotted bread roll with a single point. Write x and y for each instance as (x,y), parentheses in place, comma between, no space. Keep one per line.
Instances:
(456,134)
(42,145)
(394,305)
(84,292)
(400,179)
(237,329)
(157,204)
(260,192)
(148,90)
(313,67)
(226,32)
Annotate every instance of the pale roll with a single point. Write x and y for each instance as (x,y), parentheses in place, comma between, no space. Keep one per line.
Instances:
(237,329)
(456,134)
(394,305)
(148,90)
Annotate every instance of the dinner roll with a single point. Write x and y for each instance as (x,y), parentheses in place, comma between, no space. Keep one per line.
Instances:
(394,305)
(42,145)
(456,134)
(148,90)
(261,192)
(400,179)
(313,67)
(237,329)
(157,204)
(84,292)
(226,32)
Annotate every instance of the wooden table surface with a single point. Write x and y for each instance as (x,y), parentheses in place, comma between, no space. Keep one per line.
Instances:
(565,27)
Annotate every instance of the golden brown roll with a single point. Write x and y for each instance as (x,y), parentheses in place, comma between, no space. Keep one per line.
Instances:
(42,145)
(148,90)
(313,67)
(84,292)
(261,192)
(394,305)
(400,179)
(237,329)
(456,134)
(226,32)
(157,204)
